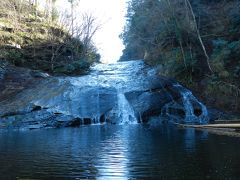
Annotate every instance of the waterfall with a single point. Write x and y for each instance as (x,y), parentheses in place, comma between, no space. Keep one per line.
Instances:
(193,111)
(125,92)
(190,116)
(97,118)
(126,113)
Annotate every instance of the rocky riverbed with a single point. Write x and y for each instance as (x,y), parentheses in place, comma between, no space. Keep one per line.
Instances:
(126,92)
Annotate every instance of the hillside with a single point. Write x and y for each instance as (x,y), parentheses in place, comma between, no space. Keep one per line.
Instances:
(196,42)
(28,38)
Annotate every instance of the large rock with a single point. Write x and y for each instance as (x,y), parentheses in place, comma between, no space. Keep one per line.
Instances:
(53,98)
(126,92)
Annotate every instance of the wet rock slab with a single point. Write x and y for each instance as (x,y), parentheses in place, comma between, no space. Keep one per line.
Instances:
(115,93)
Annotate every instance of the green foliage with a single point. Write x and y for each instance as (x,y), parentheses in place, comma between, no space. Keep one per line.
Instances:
(30,39)
(225,57)
(226,95)
(169,33)
(14,55)
(77,67)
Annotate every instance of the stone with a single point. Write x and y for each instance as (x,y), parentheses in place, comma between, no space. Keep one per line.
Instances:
(127,92)
(39,74)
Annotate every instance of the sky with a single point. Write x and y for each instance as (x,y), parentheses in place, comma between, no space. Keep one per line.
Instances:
(111,15)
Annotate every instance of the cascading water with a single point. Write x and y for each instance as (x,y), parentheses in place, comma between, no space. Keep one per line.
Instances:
(189,109)
(191,114)
(125,111)
(125,92)
(97,117)
(114,81)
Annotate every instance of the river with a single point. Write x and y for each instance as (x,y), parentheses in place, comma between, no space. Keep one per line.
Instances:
(118,152)
(131,109)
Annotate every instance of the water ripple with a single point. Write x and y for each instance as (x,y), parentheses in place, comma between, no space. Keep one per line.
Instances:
(117,152)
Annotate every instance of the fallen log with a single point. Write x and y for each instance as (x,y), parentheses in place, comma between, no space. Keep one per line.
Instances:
(234,121)
(234,126)
(219,129)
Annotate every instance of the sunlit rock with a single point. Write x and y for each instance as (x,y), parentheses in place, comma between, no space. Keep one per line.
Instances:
(128,92)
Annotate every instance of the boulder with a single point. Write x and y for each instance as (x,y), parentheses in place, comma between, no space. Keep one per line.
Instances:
(127,92)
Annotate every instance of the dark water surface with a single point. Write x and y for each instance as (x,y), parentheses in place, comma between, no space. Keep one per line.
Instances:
(118,152)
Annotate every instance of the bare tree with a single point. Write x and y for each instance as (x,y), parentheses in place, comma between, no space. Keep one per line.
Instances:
(47,8)
(87,29)
(50,9)
(199,36)
(73,4)
(53,2)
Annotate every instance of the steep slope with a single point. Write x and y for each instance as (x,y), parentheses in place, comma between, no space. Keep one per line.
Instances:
(30,39)
(196,42)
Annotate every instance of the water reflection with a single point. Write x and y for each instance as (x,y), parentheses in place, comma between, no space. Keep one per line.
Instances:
(121,152)
(189,139)
(192,135)
(114,162)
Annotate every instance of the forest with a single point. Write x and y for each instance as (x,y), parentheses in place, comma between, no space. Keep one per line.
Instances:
(194,41)
(43,39)
(169,109)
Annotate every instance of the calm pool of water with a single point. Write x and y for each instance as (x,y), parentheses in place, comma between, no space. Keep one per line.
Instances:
(118,152)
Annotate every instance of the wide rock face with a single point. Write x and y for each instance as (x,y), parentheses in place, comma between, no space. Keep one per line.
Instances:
(127,92)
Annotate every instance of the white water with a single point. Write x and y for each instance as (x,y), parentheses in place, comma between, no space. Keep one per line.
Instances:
(100,96)
(189,110)
(126,113)
(131,76)
(187,106)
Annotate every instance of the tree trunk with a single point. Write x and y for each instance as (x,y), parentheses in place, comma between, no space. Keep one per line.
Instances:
(72,18)
(209,69)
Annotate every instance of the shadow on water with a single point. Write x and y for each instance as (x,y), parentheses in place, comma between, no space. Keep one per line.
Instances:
(122,152)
